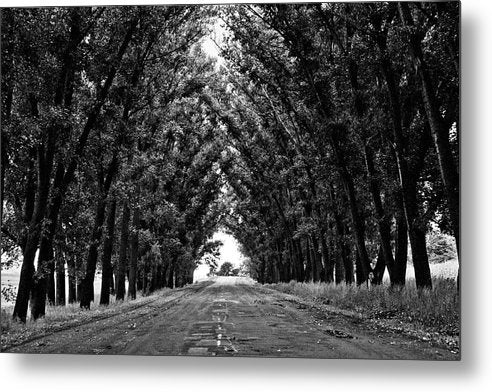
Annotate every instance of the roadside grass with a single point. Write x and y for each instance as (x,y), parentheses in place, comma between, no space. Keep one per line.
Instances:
(436,310)
(60,317)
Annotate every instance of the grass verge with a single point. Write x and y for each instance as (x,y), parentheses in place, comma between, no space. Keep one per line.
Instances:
(436,310)
(62,317)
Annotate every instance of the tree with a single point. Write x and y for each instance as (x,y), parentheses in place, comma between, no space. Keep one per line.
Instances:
(225,269)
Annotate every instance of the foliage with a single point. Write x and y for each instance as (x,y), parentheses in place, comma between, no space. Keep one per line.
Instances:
(8,293)
(441,247)
(225,269)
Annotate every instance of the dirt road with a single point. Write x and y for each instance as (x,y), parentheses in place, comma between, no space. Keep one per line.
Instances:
(234,317)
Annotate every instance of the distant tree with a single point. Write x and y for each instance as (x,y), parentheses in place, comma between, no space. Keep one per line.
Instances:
(441,247)
(211,254)
(225,269)
(212,270)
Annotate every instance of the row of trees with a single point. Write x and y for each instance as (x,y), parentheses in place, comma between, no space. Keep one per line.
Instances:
(108,158)
(342,124)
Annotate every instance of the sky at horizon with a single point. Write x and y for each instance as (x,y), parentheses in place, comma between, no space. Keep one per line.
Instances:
(229,251)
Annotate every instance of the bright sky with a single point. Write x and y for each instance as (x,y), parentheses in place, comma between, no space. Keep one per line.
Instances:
(228,252)
(210,47)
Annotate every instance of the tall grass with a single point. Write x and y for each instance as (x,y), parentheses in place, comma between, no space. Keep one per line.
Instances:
(437,309)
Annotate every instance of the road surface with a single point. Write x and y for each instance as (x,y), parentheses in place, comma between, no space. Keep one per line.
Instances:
(234,317)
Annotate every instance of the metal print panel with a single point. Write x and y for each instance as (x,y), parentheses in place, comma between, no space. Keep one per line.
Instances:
(274,180)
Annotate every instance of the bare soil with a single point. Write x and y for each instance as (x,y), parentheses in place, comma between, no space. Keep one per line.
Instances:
(235,317)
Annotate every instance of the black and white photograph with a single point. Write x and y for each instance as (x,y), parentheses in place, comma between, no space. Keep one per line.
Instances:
(271,180)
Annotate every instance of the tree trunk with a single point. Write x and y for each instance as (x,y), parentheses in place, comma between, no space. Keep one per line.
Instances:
(344,263)
(87,294)
(384,225)
(79,289)
(132,276)
(337,236)
(153,276)
(348,265)
(279,262)
(107,270)
(339,270)
(26,280)
(401,246)
(269,270)
(358,230)
(45,269)
(170,279)
(40,281)
(327,259)
(292,262)
(190,276)
(123,252)
(357,223)
(359,275)
(142,282)
(317,265)
(157,278)
(300,261)
(97,231)
(419,252)
(72,280)
(46,255)
(262,268)
(72,290)
(164,275)
(60,280)
(50,292)
(378,271)
(112,290)
(308,272)
(165,267)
